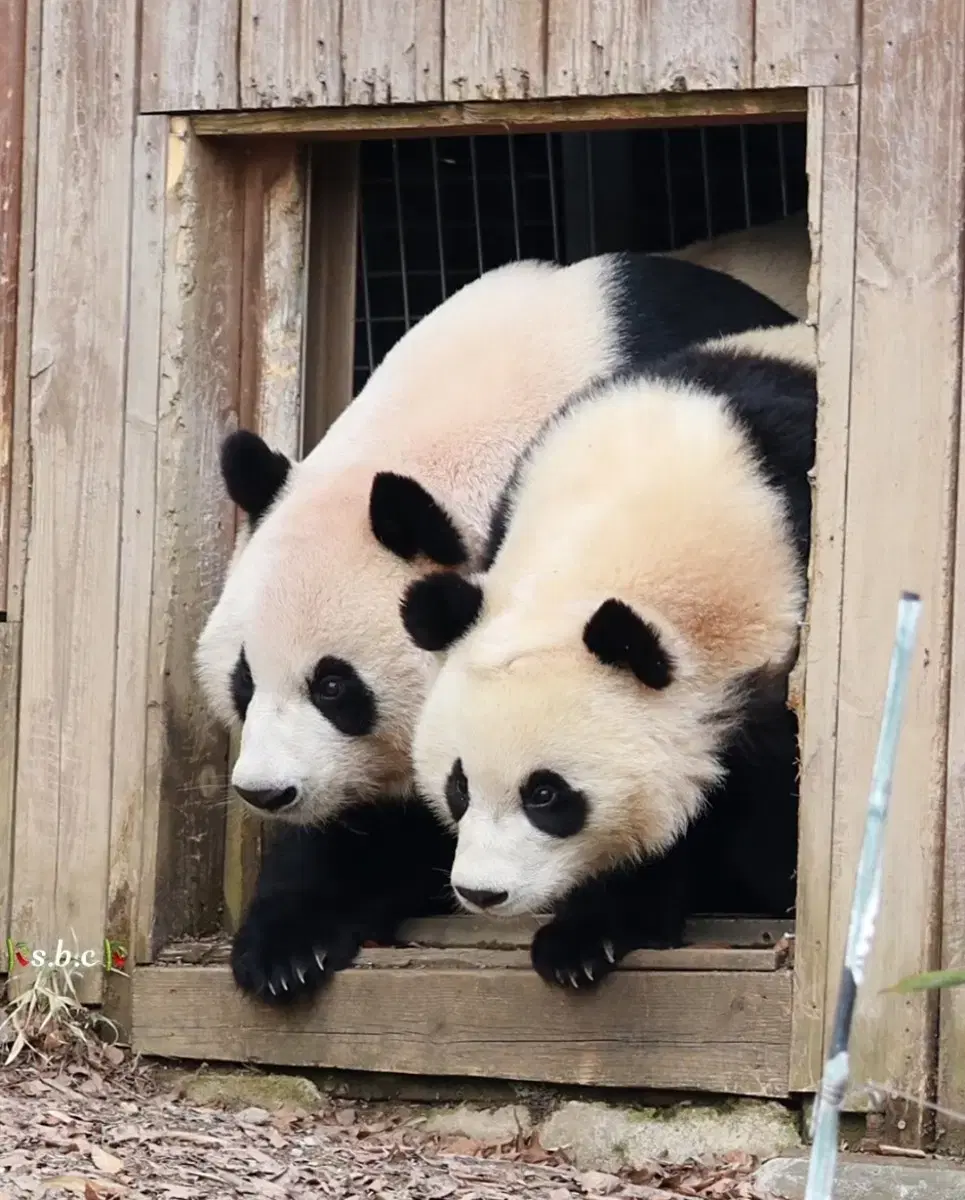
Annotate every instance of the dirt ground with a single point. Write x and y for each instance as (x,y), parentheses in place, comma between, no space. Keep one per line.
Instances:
(112,1129)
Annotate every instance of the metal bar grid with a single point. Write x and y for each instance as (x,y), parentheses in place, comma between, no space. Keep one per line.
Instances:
(437,212)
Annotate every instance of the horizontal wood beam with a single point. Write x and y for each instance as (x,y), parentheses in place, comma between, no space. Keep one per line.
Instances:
(713,1031)
(570,113)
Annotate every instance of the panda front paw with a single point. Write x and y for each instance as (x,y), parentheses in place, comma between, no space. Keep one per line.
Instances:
(283,953)
(575,954)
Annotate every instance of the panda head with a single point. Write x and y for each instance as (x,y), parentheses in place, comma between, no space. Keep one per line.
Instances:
(304,647)
(557,748)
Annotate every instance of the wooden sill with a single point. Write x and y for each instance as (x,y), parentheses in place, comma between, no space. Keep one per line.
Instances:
(713,1018)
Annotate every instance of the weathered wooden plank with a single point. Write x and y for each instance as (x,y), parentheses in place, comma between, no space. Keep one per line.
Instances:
(270,388)
(333,250)
(137,547)
(19,498)
(13,65)
(950,1133)
(598,48)
(833,132)
(569,113)
(77,374)
(187,754)
(189,55)
(493,50)
(392,53)
(900,511)
(290,53)
(9,687)
(712,1031)
(800,44)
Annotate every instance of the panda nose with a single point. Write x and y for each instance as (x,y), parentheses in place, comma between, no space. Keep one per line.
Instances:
(268,799)
(481,897)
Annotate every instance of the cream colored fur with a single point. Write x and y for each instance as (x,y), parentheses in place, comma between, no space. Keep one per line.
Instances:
(452,404)
(775,259)
(647,493)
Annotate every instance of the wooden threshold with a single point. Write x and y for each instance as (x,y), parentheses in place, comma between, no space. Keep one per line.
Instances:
(572,113)
(714,1018)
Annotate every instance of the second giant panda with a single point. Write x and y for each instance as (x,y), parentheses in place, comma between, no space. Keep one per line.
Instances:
(608,732)
(304,648)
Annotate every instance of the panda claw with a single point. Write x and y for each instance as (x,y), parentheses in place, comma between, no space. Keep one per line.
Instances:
(284,984)
(574,978)
(271,988)
(320,959)
(588,971)
(302,977)
(609,952)
(559,978)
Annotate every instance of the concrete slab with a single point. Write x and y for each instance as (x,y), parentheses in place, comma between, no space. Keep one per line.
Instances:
(860,1178)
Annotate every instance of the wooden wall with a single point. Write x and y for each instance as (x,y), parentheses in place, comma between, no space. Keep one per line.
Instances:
(227,54)
(151,298)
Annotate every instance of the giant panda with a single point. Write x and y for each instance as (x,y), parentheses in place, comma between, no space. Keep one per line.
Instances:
(304,647)
(774,259)
(608,730)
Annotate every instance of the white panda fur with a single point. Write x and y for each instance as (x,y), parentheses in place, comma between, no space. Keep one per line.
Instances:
(634,628)
(775,259)
(333,544)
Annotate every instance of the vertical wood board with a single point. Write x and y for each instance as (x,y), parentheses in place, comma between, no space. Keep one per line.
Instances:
(77,368)
(20,465)
(187,753)
(833,135)
(189,55)
(494,50)
(290,53)
(599,48)
(9,687)
(13,71)
(900,508)
(798,43)
(392,53)
(132,689)
(333,253)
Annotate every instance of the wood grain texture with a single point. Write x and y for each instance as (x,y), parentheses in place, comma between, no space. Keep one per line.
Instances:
(713,1031)
(494,50)
(333,251)
(950,1134)
(270,390)
(832,170)
(801,44)
(9,688)
(463,958)
(189,55)
(392,53)
(138,519)
(187,754)
(900,511)
(599,47)
(290,53)
(20,462)
(566,113)
(13,65)
(78,340)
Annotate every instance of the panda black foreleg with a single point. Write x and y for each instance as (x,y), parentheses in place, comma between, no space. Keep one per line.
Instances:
(629,908)
(324,891)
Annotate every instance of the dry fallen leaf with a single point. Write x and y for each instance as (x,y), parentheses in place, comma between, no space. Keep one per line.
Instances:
(104,1161)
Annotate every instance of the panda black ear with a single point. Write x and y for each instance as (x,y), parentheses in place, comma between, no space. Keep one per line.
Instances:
(409,522)
(439,609)
(253,473)
(619,638)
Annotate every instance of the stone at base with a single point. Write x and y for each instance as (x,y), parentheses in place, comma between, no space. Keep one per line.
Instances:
(867,1179)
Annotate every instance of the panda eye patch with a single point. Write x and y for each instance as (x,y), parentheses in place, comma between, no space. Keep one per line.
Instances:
(552,805)
(342,697)
(457,790)
(242,686)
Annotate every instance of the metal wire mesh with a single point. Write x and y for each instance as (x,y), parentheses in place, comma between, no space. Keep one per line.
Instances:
(437,212)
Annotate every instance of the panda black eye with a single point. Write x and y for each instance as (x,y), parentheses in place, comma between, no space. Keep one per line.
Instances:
(331,687)
(542,797)
(457,790)
(552,805)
